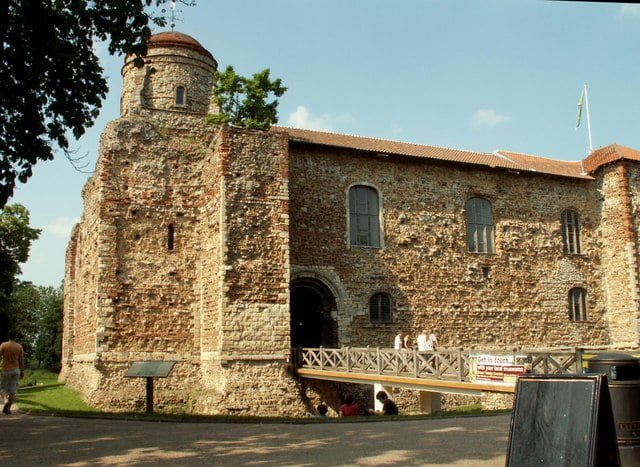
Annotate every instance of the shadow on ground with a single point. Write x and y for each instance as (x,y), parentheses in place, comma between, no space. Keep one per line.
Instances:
(45,440)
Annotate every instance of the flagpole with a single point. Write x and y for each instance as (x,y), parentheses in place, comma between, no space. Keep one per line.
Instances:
(586,99)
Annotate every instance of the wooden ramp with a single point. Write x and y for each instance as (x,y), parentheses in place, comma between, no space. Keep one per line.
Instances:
(419,384)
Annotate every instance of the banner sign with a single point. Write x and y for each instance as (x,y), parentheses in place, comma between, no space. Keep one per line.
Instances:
(498,368)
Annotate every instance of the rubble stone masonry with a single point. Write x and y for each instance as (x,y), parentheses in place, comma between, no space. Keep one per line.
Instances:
(192,236)
(434,282)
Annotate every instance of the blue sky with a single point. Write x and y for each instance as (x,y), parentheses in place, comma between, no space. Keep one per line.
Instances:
(465,74)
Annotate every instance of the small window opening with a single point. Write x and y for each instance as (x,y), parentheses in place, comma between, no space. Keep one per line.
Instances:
(571,232)
(578,304)
(180,95)
(170,237)
(485,272)
(380,308)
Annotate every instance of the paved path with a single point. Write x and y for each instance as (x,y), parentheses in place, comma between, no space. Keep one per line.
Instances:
(40,440)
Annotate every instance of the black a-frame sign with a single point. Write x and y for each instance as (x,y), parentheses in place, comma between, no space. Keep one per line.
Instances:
(562,420)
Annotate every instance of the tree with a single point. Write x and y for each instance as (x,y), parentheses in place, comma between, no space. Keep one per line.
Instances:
(243,101)
(35,313)
(48,344)
(52,81)
(15,242)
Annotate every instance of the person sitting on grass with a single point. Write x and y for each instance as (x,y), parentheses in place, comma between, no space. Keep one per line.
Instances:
(388,406)
(349,408)
(322,410)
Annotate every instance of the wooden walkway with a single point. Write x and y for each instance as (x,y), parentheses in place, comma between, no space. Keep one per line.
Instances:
(448,370)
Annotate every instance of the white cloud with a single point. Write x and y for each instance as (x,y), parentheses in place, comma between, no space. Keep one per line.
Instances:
(60,227)
(487,118)
(629,10)
(302,118)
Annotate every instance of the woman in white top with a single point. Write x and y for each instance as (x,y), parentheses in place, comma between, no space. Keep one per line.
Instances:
(432,342)
(398,342)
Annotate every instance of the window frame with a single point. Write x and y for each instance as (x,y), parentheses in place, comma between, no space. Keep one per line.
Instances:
(477,213)
(371,216)
(377,314)
(571,225)
(577,304)
(184,96)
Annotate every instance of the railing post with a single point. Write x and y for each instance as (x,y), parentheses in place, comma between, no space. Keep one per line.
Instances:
(546,363)
(378,363)
(415,363)
(321,358)
(347,359)
(460,369)
(579,360)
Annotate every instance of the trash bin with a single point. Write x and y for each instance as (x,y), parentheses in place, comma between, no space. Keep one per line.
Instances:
(623,376)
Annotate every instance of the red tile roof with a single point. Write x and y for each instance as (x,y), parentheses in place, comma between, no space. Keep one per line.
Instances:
(608,154)
(546,165)
(499,159)
(177,39)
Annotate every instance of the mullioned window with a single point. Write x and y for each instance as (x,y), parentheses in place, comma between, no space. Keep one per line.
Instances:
(571,232)
(578,304)
(480,230)
(364,217)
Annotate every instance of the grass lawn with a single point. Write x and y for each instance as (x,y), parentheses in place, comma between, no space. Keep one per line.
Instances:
(40,393)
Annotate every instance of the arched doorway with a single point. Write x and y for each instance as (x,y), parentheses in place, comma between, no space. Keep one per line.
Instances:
(311,321)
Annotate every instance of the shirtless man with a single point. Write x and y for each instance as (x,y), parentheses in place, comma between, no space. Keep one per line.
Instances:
(12,369)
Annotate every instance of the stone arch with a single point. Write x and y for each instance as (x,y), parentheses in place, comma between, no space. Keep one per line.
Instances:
(313,306)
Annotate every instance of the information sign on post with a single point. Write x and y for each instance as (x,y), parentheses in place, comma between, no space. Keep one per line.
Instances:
(150,369)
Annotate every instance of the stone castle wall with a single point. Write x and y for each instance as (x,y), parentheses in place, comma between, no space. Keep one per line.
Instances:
(433,280)
(82,276)
(216,301)
(618,230)
(153,85)
(192,235)
(250,367)
(146,304)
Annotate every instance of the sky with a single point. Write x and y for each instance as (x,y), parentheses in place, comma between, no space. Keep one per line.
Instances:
(463,74)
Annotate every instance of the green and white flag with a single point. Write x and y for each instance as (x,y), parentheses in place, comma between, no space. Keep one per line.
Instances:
(580,102)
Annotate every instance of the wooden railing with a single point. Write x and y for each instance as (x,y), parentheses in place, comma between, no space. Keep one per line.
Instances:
(448,364)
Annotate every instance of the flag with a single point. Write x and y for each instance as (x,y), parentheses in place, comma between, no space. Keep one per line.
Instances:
(580,102)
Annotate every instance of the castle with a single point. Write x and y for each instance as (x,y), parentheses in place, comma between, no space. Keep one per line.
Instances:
(220,248)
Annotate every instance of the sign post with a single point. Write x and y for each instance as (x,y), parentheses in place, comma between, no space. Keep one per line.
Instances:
(150,369)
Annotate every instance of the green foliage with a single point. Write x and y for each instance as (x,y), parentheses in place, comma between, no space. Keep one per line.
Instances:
(52,81)
(35,312)
(243,101)
(15,241)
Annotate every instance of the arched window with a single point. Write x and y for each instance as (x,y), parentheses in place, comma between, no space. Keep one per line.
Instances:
(578,304)
(181,94)
(170,235)
(364,220)
(479,225)
(571,229)
(380,308)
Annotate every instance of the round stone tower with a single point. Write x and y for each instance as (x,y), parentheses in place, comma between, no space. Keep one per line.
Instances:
(177,76)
